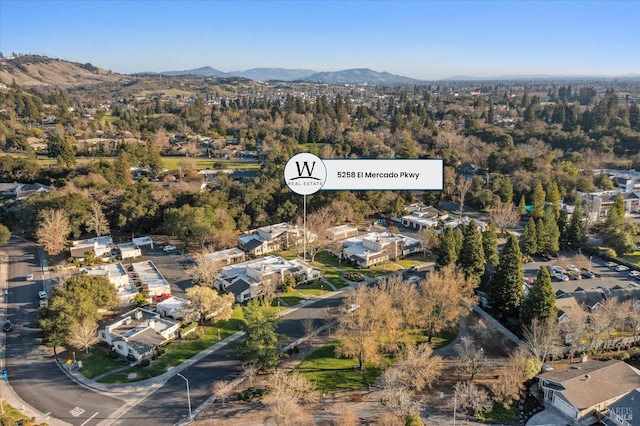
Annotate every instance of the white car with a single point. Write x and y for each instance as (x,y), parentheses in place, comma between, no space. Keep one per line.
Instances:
(559,270)
(610,264)
(561,277)
(634,274)
(42,295)
(621,268)
(43,303)
(573,268)
(456,211)
(169,248)
(29,277)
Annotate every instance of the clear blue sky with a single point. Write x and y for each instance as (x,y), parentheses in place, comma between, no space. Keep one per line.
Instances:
(419,39)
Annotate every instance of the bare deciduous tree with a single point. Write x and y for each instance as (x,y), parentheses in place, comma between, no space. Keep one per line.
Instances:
(574,328)
(429,240)
(307,325)
(288,392)
(317,224)
(207,302)
(400,401)
(388,419)
(404,298)
(463,186)
(505,215)
(471,398)
(347,418)
(53,230)
(471,359)
(83,335)
(97,222)
(206,270)
(541,337)
(250,371)
(372,329)
(222,390)
(418,366)
(444,296)
(514,374)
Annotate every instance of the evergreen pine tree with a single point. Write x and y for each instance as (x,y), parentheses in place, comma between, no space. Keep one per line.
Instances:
(458,238)
(551,230)
(575,230)
(446,254)
(490,244)
(471,258)
(563,226)
(554,198)
(522,207)
(529,239)
(506,292)
(541,301)
(615,215)
(538,201)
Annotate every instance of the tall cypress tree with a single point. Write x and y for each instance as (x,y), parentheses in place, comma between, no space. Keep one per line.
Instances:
(446,254)
(458,238)
(529,239)
(522,207)
(575,230)
(490,244)
(471,258)
(551,230)
(506,291)
(537,201)
(541,301)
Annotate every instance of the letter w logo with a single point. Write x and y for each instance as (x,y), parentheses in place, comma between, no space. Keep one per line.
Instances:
(305,167)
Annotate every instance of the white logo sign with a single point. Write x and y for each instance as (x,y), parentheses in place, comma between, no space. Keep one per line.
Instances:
(305,174)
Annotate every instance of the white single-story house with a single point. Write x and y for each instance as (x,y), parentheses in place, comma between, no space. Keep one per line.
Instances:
(129,251)
(174,307)
(246,280)
(226,257)
(100,246)
(148,274)
(138,332)
(142,241)
(341,232)
(272,238)
(117,276)
(589,387)
(377,247)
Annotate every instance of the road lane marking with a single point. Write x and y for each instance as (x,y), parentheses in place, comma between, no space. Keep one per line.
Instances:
(90,418)
(77,411)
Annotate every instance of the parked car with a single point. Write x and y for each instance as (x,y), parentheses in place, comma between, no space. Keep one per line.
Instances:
(561,277)
(634,285)
(456,211)
(161,297)
(8,326)
(621,268)
(169,248)
(559,270)
(634,274)
(573,268)
(588,274)
(574,275)
(42,294)
(610,264)
(43,302)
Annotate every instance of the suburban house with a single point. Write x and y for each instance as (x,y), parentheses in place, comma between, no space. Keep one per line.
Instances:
(117,276)
(420,216)
(378,247)
(566,307)
(138,332)
(128,251)
(464,221)
(173,307)
(226,257)
(584,389)
(147,273)
(599,202)
(100,246)
(271,238)
(246,280)
(341,232)
(22,191)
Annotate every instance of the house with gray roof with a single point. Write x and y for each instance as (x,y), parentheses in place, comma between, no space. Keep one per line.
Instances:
(587,388)
(625,411)
(272,238)
(138,332)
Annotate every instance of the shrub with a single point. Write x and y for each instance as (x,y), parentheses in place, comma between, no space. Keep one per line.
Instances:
(145,362)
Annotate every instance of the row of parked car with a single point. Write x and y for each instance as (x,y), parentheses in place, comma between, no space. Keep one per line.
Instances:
(622,268)
(572,272)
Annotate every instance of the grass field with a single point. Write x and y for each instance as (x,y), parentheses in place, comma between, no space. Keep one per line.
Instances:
(173,163)
(291,297)
(334,374)
(315,288)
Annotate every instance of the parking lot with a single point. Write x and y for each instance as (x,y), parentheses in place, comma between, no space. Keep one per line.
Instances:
(604,276)
(172,265)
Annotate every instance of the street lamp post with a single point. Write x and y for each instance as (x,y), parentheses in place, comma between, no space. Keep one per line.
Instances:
(590,263)
(188,394)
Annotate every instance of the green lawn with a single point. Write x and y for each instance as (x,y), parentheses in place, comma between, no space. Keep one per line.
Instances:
(177,352)
(173,163)
(96,363)
(500,414)
(632,258)
(291,297)
(314,288)
(333,374)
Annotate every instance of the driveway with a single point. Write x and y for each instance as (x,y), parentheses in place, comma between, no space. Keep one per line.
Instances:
(550,416)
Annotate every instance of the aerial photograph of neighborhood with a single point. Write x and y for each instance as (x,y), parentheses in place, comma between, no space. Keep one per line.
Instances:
(319,213)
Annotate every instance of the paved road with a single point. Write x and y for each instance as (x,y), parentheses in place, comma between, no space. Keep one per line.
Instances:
(33,373)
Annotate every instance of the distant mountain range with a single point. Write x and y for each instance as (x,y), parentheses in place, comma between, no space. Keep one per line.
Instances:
(356,75)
